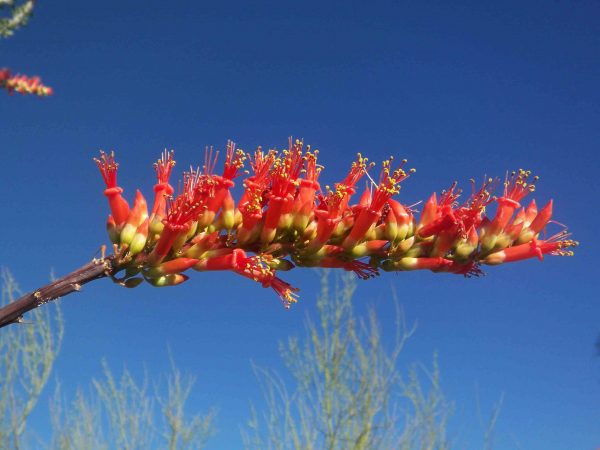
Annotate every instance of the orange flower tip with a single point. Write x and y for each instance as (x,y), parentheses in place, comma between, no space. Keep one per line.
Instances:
(542,218)
(429,210)
(531,209)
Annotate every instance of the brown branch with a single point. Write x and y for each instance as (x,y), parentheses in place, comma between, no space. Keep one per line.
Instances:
(98,268)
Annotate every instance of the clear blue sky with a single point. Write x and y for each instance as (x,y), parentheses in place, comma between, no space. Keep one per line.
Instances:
(461,89)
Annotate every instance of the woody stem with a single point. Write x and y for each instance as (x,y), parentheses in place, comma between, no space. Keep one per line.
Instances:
(98,268)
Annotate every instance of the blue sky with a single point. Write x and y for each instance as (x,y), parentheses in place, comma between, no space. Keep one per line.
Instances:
(461,89)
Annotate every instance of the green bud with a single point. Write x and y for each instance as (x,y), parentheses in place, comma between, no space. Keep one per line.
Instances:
(228,219)
(488,242)
(464,250)
(359,250)
(128,233)
(172,279)
(406,244)
(137,244)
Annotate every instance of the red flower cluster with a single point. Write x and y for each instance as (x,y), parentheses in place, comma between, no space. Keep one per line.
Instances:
(23,84)
(285,219)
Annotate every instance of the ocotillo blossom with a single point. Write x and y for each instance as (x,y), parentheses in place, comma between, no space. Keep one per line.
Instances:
(284,219)
(23,84)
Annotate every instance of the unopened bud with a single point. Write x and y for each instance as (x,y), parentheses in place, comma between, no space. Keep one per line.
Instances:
(168,280)
(139,239)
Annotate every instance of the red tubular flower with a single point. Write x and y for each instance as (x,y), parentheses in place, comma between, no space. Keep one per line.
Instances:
(162,188)
(284,178)
(309,184)
(449,222)
(471,213)
(441,217)
(118,205)
(253,200)
(534,249)
(257,269)
(234,161)
(335,204)
(515,189)
(138,214)
(389,184)
(429,212)
(254,267)
(304,202)
(185,208)
(328,215)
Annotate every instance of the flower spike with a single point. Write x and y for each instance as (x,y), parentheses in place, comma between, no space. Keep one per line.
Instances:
(23,84)
(283,215)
